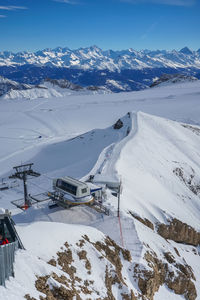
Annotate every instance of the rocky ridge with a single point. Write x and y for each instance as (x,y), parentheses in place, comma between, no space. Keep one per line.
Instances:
(168,79)
(178,276)
(10,89)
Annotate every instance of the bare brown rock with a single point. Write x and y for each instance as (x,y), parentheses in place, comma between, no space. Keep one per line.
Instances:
(176,251)
(41,284)
(83,255)
(145,221)
(179,232)
(129,297)
(61,279)
(111,251)
(178,277)
(28,297)
(80,243)
(150,281)
(108,283)
(169,257)
(182,286)
(52,262)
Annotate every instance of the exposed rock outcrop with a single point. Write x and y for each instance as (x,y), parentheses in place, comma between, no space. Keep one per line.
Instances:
(144,221)
(189,178)
(6,85)
(163,270)
(64,84)
(70,286)
(179,232)
(172,78)
(119,124)
(149,281)
(194,129)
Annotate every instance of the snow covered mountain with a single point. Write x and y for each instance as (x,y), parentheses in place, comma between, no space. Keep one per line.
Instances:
(95,58)
(152,251)
(6,85)
(49,88)
(168,79)
(124,70)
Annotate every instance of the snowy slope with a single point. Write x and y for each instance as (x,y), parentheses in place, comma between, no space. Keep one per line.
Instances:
(147,165)
(159,169)
(28,126)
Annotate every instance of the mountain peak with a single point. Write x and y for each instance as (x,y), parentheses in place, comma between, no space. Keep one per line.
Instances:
(186,50)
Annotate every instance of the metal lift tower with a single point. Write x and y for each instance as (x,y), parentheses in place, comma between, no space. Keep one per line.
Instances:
(22,172)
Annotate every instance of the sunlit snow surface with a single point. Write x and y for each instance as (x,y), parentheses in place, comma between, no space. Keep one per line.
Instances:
(74,136)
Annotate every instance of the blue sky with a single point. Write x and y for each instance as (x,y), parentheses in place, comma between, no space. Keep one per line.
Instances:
(110,24)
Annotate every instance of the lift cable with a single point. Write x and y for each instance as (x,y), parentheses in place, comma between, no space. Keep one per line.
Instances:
(38,186)
(51,178)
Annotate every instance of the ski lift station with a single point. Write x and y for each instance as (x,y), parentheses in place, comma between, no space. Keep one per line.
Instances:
(74,192)
(66,191)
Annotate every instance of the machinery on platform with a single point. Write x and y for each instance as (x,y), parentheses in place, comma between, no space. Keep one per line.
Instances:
(71,191)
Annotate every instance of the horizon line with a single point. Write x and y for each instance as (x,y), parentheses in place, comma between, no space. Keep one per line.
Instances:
(93,46)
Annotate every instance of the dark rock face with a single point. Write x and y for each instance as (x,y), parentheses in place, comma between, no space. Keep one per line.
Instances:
(64,84)
(179,232)
(6,85)
(119,124)
(173,78)
(190,180)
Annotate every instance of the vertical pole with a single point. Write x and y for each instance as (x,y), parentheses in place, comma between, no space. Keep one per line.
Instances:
(26,201)
(118,208)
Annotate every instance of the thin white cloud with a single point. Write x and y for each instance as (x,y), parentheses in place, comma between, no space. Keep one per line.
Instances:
(166,2)
(66,1)
(12,7)
(2,16)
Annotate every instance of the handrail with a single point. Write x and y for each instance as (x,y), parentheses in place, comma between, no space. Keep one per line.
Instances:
(7,257)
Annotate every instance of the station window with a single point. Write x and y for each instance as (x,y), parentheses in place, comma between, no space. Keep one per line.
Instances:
(84,190)
(67,187)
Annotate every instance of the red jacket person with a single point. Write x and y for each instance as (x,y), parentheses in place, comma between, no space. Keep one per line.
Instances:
(3,241)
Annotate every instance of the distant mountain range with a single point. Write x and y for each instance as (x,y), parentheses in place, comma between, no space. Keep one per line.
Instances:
(94,58)
(124,70)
